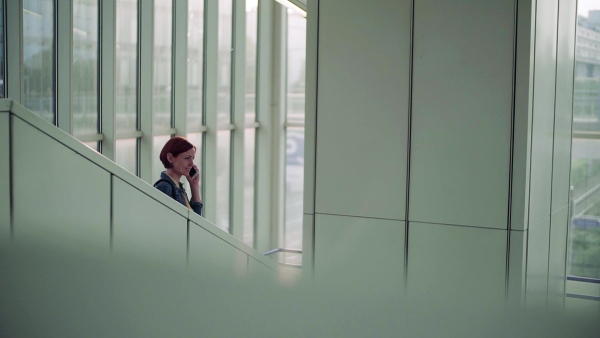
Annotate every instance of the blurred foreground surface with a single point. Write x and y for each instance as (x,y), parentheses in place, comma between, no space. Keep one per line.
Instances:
(52,291)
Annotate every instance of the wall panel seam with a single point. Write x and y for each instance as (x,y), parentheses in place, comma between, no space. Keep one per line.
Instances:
(316,128)
(365,217)
(408,142)
(10,176)
(512,145)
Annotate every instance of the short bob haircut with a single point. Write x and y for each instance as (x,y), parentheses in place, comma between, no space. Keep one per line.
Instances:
(176,145)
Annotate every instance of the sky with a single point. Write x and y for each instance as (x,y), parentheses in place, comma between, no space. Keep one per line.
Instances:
(583,6)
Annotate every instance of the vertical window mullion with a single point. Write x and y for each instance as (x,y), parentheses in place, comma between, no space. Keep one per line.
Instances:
(279,146)
(106,77)
(209,179)
(145,107)
(264,238)
(179,71)
(238,119)
(64,55)
(2,50)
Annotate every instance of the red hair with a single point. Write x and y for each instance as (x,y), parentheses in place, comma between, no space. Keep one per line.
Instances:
(176,145)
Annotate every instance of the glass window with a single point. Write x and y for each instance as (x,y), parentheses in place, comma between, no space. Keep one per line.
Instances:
(126,155)
(223,178)
(126,66)
(195,60)
(251,48)
(39,66)
(294,159)
(224,113)
(2,57)
(584,233)
(126,81)
(157,165)
(163,28)
(224,62)
(93,145)
(250,117)
(85,67)
(249,160)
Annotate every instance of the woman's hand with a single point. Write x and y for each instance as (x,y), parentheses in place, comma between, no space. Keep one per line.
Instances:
(193,181)
(195,184)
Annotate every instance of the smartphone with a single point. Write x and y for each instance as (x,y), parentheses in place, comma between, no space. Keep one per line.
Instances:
(193,172)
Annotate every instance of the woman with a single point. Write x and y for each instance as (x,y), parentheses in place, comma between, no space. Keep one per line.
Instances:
(177,156)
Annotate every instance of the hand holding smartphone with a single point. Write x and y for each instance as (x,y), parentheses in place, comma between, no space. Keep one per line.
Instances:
(193,172)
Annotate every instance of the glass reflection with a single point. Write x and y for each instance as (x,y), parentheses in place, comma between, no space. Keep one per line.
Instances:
(162,63)
(223,178)
(224,62)
(126,155)
(294,191)
(85,67)
(249,160)
(251,45)
(294,165)
(195,60)
(296,67)
(93,145)
(126,66)
(2,57)
(584,236)
(39,87)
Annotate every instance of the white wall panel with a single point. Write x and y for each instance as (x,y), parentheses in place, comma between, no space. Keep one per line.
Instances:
(537,263)
(557,260)
(310,110)
(362,108)
(517,267)
(4,172)
(359,255)
(522,115)
(62,198)
(561,167)
(461,117)
(146,230)
(308,240)
(457,263)
(258,269)
(209,255)
(543,111)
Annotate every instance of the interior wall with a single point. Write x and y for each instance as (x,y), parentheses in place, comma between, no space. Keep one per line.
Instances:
(470,70)
(362,131)
(5,172)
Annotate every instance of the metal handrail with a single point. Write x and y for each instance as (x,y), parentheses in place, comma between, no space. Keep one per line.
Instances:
(583,279)
(270,252)
(587,194)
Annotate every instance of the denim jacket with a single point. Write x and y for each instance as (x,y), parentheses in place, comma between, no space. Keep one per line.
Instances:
(179,193)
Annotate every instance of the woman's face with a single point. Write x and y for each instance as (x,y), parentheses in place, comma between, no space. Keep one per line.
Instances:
(183,162)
